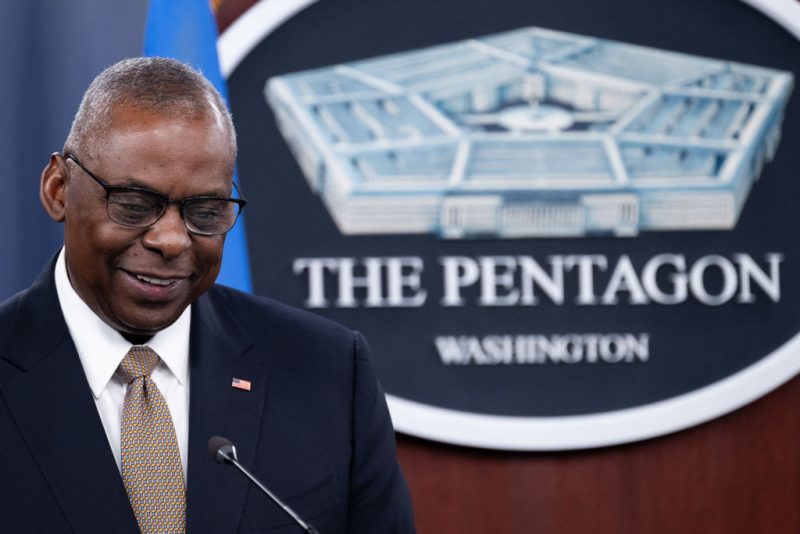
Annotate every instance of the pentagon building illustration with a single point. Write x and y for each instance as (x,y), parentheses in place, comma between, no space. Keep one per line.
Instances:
(532,133)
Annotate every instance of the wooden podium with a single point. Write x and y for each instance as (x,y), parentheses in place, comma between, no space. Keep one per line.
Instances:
(736,474)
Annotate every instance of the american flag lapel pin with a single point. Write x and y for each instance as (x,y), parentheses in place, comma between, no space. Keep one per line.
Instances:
(238,383)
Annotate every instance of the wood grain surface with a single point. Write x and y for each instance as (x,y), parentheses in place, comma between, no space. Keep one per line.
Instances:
(736,474)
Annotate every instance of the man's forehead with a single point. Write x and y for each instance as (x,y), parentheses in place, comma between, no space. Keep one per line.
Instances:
(128,112)
(128,120)
(176,148)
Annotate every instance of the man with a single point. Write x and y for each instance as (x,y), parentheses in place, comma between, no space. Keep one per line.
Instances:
(93,438)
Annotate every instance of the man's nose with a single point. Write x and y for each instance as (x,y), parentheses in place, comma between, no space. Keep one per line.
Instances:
(169,235)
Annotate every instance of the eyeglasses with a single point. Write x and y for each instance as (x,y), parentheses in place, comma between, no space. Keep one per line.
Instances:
(136,207)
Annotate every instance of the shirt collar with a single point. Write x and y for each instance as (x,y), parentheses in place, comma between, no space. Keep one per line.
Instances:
(101,348)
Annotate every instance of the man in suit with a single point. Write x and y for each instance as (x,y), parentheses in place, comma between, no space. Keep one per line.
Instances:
(143,188)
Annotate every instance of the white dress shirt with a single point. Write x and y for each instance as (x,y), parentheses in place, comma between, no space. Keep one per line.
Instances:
(101,349)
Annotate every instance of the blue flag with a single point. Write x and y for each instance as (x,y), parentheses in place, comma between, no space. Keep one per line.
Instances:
(186,30)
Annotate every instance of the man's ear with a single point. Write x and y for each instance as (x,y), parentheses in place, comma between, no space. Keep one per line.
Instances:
(53,187)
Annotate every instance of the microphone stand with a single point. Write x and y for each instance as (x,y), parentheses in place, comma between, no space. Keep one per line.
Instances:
(225,452)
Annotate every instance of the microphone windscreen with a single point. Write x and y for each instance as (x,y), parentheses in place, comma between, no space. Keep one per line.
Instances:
(215,444)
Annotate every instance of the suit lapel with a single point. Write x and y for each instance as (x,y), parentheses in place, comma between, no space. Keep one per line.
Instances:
(216,492)
(52,405)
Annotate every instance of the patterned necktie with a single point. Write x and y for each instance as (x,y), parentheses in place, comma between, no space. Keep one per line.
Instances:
(151,464)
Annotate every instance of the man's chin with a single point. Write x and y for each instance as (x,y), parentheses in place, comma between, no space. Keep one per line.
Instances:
(143,328)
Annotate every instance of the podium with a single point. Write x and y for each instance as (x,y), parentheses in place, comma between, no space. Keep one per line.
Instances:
(736,474)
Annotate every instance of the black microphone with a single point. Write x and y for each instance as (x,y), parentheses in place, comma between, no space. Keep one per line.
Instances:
(224,452)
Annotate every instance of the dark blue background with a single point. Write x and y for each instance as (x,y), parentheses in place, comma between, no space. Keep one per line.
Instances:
(50,50)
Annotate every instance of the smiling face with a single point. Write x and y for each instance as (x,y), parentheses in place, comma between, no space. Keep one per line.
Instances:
(140,280)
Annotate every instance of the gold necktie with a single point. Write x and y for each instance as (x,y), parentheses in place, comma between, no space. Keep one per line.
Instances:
(151,463)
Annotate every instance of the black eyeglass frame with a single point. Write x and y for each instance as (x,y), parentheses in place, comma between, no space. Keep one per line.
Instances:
(241,202)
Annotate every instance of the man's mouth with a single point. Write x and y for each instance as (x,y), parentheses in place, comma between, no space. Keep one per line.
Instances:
(158,281)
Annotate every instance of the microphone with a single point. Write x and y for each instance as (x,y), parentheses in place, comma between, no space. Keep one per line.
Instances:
(224,452)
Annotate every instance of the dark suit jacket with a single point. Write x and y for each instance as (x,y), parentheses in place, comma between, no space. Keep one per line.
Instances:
(314,428)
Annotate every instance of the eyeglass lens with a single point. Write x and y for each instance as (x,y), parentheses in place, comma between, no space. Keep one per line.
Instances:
(202,215)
